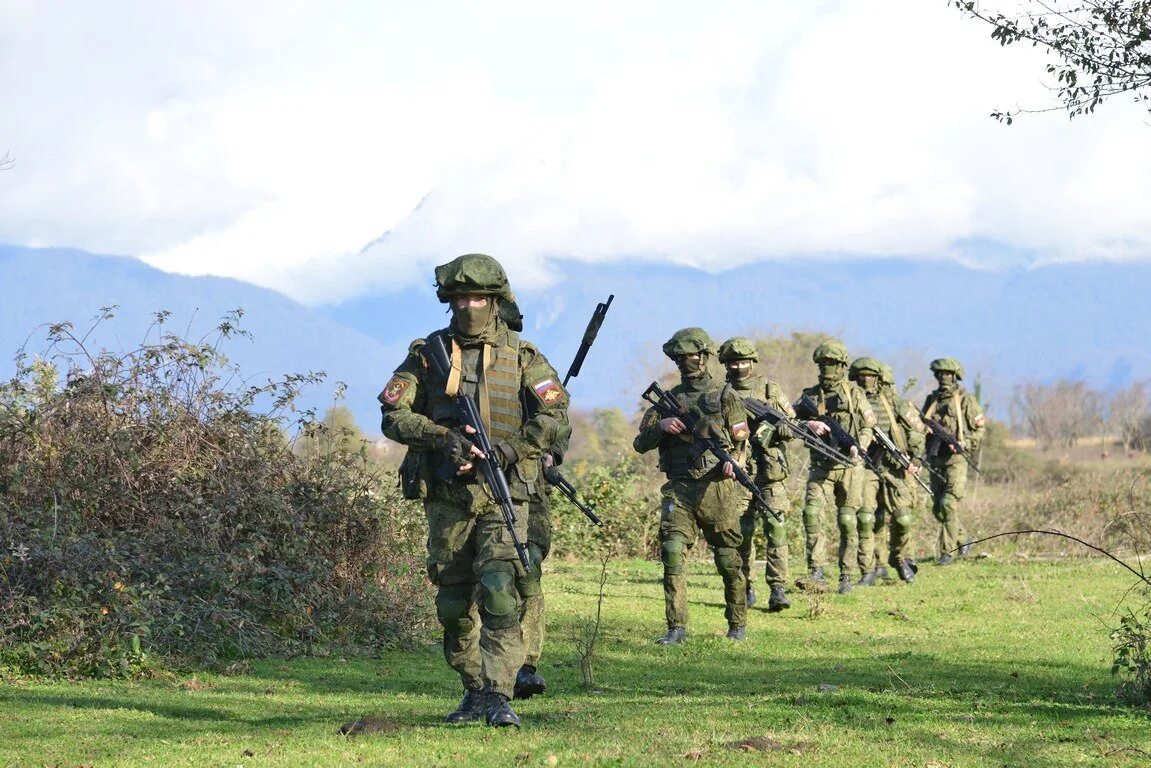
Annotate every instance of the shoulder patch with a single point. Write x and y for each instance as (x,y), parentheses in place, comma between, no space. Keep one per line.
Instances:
(740,432)
(548,391)
(979,420)
(395,389)
(869,418)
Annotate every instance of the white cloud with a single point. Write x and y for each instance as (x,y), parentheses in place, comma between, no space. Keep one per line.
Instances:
(271,141)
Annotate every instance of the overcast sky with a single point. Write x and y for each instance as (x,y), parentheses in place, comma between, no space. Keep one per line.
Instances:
(273,141)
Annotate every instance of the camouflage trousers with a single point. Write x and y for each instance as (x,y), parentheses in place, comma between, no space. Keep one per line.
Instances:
(711,507)
(840,488)
(774,534)
(948,485)
(885,500)
(473,564)
(530,585)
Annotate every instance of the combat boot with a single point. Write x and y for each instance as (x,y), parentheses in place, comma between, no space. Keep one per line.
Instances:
(945,559)
(500,713)
(737,632)
(867,580)
(528,683)
(907,570)
(965,547)
(674,636)
(881,573)
(844,584)
(470,709)
(750,595)
(778,600)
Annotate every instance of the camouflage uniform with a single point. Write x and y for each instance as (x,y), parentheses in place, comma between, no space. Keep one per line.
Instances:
(960,414)
(697,497)
(829,482)
(768,465)
(887,495)
(471,560)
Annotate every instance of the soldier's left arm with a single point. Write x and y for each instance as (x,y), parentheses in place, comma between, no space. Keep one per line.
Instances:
(735,420)
(545,427)
(916,431)
(976,422)
(778,400)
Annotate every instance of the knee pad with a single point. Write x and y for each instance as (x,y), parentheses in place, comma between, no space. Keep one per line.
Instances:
(811,517)
(499,599)
(865,521)
(453,605)
(776,531)
(727,560)
(529,584)
(903,520)
(671,552)
(846,517)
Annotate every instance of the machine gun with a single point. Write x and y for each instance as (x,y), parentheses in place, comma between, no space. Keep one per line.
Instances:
(668,406)
(840,437)
(763,411)
(468,414)
(901,458)
(556,478)
(945,438)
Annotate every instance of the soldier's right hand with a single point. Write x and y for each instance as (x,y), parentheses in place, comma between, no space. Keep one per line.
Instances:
(672,425)
(818,427)
(458,449)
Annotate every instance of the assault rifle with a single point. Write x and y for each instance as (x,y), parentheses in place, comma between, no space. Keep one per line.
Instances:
(893,451)
(556,478)
(763,411)
(945,438)
(468,414)
(840,437)
(589,335)
(668,406)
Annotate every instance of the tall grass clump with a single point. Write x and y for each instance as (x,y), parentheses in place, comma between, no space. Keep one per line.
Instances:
(153,511)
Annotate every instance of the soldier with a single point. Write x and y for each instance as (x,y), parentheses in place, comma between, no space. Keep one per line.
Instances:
(834,398)
(769,453)
(700,494)
(887,495)
(959,414)
(471,560)
(528,680)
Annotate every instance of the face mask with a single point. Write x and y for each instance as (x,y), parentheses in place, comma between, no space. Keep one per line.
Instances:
(471,321)
(869,383)
(946,380)
(831,374)
(690,366)
(739,370)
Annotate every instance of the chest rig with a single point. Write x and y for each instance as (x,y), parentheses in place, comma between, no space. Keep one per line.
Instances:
(682,455)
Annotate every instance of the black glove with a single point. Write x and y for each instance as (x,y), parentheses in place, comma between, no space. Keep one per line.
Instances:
(455,447)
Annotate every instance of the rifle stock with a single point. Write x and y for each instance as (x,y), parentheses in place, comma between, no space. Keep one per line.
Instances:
(589,335)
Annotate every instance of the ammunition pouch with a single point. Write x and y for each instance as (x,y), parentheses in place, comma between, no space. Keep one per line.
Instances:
(413,483)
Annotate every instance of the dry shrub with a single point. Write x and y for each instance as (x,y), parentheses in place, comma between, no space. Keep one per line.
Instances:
(152,510)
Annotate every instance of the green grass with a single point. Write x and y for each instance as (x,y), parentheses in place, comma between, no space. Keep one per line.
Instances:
(981,663)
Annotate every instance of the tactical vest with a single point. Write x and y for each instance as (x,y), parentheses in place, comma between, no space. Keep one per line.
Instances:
(838,404)
(889,420)
(770,464)
(679,455)
(948,412)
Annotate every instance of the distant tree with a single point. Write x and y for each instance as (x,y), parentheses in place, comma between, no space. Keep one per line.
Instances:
(1102,48)
(337,431)
(1128,412)
(1058,414)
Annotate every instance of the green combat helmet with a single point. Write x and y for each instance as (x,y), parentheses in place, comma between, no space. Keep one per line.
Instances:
(738,348)
(831,349)
(688,341)
(473,274)
(947,365)
(862,365)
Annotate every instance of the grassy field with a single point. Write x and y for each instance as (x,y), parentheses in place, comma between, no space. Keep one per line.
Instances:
(981,663)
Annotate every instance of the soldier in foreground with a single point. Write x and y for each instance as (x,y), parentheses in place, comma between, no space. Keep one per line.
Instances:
(769,455)
(886,492)
(835,409)
(472,559)
(956,426)
(700,494)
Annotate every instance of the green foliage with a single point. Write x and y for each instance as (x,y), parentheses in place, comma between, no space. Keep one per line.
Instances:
(625,495)
(1102,47)
(153,511)
(1132,648)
